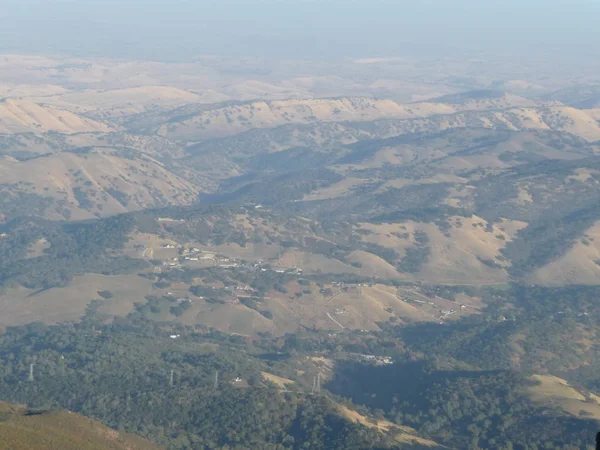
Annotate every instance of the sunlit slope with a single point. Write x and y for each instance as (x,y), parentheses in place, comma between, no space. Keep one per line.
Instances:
(20,116)
(23,429)
(114,103)
(580,264)
(507,113)
(235,119)
(99,182)
(554,392)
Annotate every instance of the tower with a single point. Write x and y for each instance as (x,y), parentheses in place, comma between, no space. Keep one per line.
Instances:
(216,386)
(316,387)
(30,373)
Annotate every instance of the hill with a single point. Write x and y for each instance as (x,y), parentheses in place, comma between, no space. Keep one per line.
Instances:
(115,103)
(584,96)
(393,224)
(235,119)
(25,429)
(91,182)
(580,264)
(426,398)
(558,118)
(555,392)
(21,116)
(490,111)
(241,253)
(480,188)
(482,100)
(164,389)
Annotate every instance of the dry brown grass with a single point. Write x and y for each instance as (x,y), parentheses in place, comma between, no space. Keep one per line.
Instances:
(404,435)
(61,430)
(120,102)
(455,256)
(283,383)
(556,392)
(20,306)
(593,113)
(144,180)
(21,116)
(577,265)
(554,387)
(239,118)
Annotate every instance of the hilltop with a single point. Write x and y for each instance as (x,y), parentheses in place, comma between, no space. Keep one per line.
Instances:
(486,110)
(218,121)
(115,103)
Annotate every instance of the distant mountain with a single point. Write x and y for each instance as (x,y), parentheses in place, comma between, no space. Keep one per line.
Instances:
(383,118)
(115,103)
(25,429)
(235,119)
(484,99)
(582,97)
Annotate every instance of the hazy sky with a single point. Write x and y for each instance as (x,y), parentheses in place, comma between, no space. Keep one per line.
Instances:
(297,28)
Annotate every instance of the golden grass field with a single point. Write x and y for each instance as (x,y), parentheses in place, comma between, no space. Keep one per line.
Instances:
(280,382)
(413,118)
(20,116)
(556,392)
(60,430)
(20,305)
(144,181)
(577,266)
(402,435)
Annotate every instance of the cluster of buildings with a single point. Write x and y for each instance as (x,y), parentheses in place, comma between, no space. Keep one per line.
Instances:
(194,254)
(377,360)
(445,313)
(343,285)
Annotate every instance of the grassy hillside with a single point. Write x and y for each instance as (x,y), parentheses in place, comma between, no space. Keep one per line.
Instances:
(480,188)
(25,429)
(297,271)
(21,116)
(389,118)
(112,104)
(93,182)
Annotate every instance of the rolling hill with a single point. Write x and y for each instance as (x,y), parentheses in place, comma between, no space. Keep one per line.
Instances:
(495,112)
(482,100)
(256,253)
(115,103)
(479,188)
(238,118)
(582,96)
(90,183)
(21,116)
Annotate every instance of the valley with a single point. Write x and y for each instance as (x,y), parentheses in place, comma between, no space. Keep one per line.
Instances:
(249,253)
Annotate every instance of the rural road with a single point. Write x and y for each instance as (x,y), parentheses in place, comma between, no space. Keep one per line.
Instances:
(342,326)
